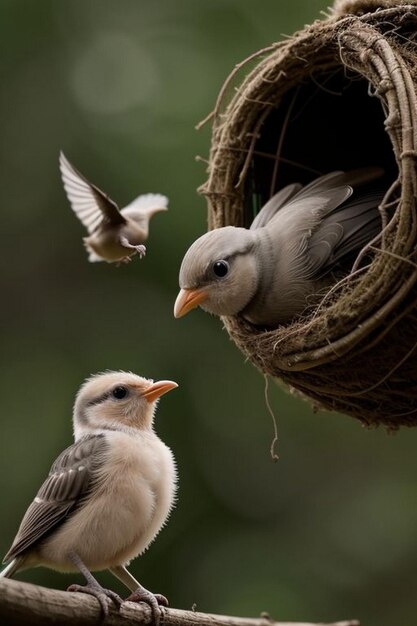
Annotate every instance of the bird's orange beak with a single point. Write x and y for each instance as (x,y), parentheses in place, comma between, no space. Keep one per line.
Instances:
(158,389)
(188,299)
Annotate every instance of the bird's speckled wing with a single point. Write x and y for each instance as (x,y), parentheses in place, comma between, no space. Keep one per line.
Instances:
(69,480)
(91,205)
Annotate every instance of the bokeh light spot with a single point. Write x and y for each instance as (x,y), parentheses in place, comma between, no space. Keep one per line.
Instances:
(113,74)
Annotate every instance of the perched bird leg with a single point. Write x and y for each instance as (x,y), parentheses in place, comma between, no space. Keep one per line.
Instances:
(140,594)
(153,600)
(140,249)
(93,587)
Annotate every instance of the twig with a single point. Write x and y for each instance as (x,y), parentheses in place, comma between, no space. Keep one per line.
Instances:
(227,82)
(274,455)
(22,604)
(281,142)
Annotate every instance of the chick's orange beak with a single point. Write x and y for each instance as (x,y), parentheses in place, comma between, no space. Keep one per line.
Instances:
(188,299)
(158,389)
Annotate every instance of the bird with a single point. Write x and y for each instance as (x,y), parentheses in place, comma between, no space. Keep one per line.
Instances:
(107,495)
(301,242)
(115,235)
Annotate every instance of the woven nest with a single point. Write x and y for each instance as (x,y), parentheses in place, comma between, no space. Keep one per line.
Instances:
(340,94)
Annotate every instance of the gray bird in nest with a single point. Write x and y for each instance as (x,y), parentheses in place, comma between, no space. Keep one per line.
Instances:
(301,242)
(114,234)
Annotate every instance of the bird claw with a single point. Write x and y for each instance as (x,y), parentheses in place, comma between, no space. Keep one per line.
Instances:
(124,261)
(162,600)
(141,250)
(153,600)
(102,595)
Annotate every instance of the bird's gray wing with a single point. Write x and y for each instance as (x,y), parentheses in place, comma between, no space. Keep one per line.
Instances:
(303,214)
(69,480)
(323,184)
(326,193)
(91,205)
(345,232)
(274,204)
(320,226)
(321,196)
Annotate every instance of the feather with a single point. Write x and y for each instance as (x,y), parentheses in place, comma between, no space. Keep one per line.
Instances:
(146,203)
(274,204)
(89,203)
(357,222)
(69,480)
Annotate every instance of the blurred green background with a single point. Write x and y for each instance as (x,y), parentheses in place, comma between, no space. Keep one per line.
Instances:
(328,532)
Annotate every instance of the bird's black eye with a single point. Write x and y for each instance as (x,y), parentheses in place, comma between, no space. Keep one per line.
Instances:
(220,268)
(120,392)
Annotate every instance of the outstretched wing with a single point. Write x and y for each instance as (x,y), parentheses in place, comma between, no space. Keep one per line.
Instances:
(69,480)
(144,206)
(91,205)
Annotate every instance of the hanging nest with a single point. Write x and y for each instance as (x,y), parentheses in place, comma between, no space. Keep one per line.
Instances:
(338,95)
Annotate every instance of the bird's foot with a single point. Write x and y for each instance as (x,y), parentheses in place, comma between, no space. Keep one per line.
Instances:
(123,261)
(141,250)
(103,595)
(153,600)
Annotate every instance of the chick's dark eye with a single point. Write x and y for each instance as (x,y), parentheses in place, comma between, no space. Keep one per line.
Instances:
(220,268)
(120,392)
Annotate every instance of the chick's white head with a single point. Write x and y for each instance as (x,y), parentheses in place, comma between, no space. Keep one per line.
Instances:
(218,273)
(117,401)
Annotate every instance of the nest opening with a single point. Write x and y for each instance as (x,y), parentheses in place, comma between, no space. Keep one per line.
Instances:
(338,95)
(331,121)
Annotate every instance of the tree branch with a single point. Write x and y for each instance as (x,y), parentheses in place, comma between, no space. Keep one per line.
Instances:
(22,604)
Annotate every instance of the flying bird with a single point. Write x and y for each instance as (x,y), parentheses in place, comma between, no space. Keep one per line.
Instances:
(107,495)
(114,234)
(301,242)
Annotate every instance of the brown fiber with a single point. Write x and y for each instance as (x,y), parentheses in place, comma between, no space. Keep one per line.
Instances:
(337,95)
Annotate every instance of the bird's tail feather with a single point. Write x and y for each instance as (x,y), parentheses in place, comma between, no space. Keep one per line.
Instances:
(11,568)
(364,175)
